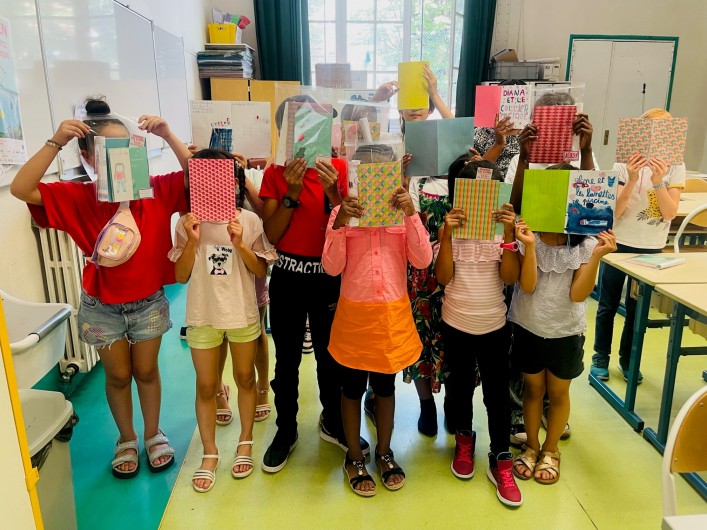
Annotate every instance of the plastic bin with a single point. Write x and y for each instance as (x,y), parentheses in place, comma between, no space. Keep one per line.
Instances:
(49,421)
(222,33)
(499,70)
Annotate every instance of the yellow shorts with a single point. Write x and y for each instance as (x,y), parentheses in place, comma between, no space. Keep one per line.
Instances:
(206,337)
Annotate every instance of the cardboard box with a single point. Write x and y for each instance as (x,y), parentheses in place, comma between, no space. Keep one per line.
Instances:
(507,55)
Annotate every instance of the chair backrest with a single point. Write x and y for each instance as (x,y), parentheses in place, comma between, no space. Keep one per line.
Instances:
(698,217)
(695,185)
(685,448)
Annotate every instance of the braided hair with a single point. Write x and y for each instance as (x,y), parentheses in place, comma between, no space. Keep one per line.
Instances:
(218,154)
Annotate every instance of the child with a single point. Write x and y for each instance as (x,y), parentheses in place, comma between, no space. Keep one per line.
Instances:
(219,306)
(297,204)
(474,329)
(373,335)
(123,311)
(648,199)
(557,274)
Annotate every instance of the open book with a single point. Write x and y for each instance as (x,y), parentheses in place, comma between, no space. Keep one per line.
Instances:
(121,168)
(662,138)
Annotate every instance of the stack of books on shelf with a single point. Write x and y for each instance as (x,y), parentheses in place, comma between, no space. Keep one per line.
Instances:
(226,60)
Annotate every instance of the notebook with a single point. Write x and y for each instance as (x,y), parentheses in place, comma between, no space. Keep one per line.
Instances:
(478,199)
(504,101)
(656,261)
(435,144)
(554,143)
(122,169)
(305,132)
(660,138)
(413,93)
(376,185)
(212,189)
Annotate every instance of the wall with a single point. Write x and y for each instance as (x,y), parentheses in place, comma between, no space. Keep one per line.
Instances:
(541,28)
(20,267)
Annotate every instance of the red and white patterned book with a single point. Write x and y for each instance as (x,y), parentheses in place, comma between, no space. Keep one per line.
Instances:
(212,189)
(554,143)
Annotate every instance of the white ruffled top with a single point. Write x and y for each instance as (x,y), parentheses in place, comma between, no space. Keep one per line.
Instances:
(549,312)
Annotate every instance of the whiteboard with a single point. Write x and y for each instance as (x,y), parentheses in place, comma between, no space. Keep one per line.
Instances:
(94,47)
(172,82)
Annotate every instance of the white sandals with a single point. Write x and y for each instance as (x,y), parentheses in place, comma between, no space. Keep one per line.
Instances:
(263,409)
(205,474)
(226,392)
(158,439)
(242,461)
(129,458)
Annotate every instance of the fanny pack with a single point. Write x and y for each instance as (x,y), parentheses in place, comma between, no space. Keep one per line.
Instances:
(118,240)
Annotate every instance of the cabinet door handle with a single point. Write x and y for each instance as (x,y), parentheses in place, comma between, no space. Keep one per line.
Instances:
(606,137)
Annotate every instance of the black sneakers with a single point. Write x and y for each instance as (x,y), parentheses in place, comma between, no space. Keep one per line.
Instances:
(328,436)
(277,454)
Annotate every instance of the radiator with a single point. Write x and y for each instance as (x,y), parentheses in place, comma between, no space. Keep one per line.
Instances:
(63,263)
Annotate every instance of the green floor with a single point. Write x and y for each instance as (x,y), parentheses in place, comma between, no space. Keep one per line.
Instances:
(610,475)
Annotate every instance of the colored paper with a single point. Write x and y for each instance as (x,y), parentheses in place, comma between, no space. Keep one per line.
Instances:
(435,144)
(305,132)
(506,101)
(659,138)
(478,199)
(376,185)
(574,202)
(212,189)
(554,143)
(413,93)
(122,171)
(233,126)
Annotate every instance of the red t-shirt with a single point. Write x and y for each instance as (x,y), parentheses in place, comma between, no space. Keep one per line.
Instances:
(73,208)
(307,229)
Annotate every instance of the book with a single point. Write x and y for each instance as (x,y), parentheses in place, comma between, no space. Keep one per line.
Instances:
(478,199)
(374,185)
(212,189)
(122,169)
(554,143)
(661,138)
(504,101)
(305,132)
(435,144)
(656,261)
(573,202)
(413,93)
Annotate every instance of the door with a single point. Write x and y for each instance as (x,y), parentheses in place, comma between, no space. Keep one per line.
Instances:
(623,78)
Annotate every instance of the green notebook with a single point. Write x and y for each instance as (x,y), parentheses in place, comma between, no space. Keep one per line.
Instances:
(123,171)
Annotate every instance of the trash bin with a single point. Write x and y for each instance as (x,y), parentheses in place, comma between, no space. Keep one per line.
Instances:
(49,421)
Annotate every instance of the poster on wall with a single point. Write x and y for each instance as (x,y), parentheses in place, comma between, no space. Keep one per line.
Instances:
(12,145)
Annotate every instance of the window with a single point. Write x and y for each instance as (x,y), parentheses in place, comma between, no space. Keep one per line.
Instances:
(375,35)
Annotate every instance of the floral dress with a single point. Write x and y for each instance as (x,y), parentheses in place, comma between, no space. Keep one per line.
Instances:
(426,298)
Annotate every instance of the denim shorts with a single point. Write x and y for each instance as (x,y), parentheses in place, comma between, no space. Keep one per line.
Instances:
(102,324)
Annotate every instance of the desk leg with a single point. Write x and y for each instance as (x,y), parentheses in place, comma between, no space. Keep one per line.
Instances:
(671,367)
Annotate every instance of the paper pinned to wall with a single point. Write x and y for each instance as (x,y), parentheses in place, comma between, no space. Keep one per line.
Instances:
(478,199)
(435,144)
(12,143)
(413,93)
(506,101)
(376,185)
(660,138)
(554,143)
(333,75)
(574,202)
(212,189)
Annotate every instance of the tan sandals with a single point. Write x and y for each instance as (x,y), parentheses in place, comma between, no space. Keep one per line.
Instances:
(528,458)
(545,463)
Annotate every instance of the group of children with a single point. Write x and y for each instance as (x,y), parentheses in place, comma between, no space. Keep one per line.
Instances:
(378,301)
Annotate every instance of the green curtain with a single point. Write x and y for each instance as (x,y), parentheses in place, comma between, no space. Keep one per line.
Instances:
(282,29)
(477,33)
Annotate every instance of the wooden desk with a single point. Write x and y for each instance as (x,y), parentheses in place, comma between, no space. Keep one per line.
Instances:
(689,300)
(694,271)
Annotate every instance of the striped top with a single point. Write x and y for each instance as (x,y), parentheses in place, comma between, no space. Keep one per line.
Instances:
(473,299)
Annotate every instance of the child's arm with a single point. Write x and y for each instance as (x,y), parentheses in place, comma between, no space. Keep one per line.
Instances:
(328,176)
(623,196)
(185,263)
(528,263)
(529,134)
(255,264)
(510,267)
(585,277)
(24,185)
(501,130)
(438,102)
(668,198)
(252,195)
(418,247)
(444,265)
(158,126)
(584,130)
(276,218)
(334,255)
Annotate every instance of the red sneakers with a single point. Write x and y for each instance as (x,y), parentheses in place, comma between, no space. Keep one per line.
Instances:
(502,477)
(463,463)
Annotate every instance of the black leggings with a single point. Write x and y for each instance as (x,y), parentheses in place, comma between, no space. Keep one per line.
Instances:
(356,381)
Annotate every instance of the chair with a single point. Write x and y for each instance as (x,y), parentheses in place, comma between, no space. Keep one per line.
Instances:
(698,217)
(695,185)
(685,450)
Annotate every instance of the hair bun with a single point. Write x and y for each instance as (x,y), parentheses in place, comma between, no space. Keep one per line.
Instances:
(97,106)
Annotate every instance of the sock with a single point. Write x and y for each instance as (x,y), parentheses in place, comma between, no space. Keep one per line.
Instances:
(427,424)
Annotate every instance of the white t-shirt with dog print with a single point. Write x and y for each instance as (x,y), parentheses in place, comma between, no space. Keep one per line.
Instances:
(221,289)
